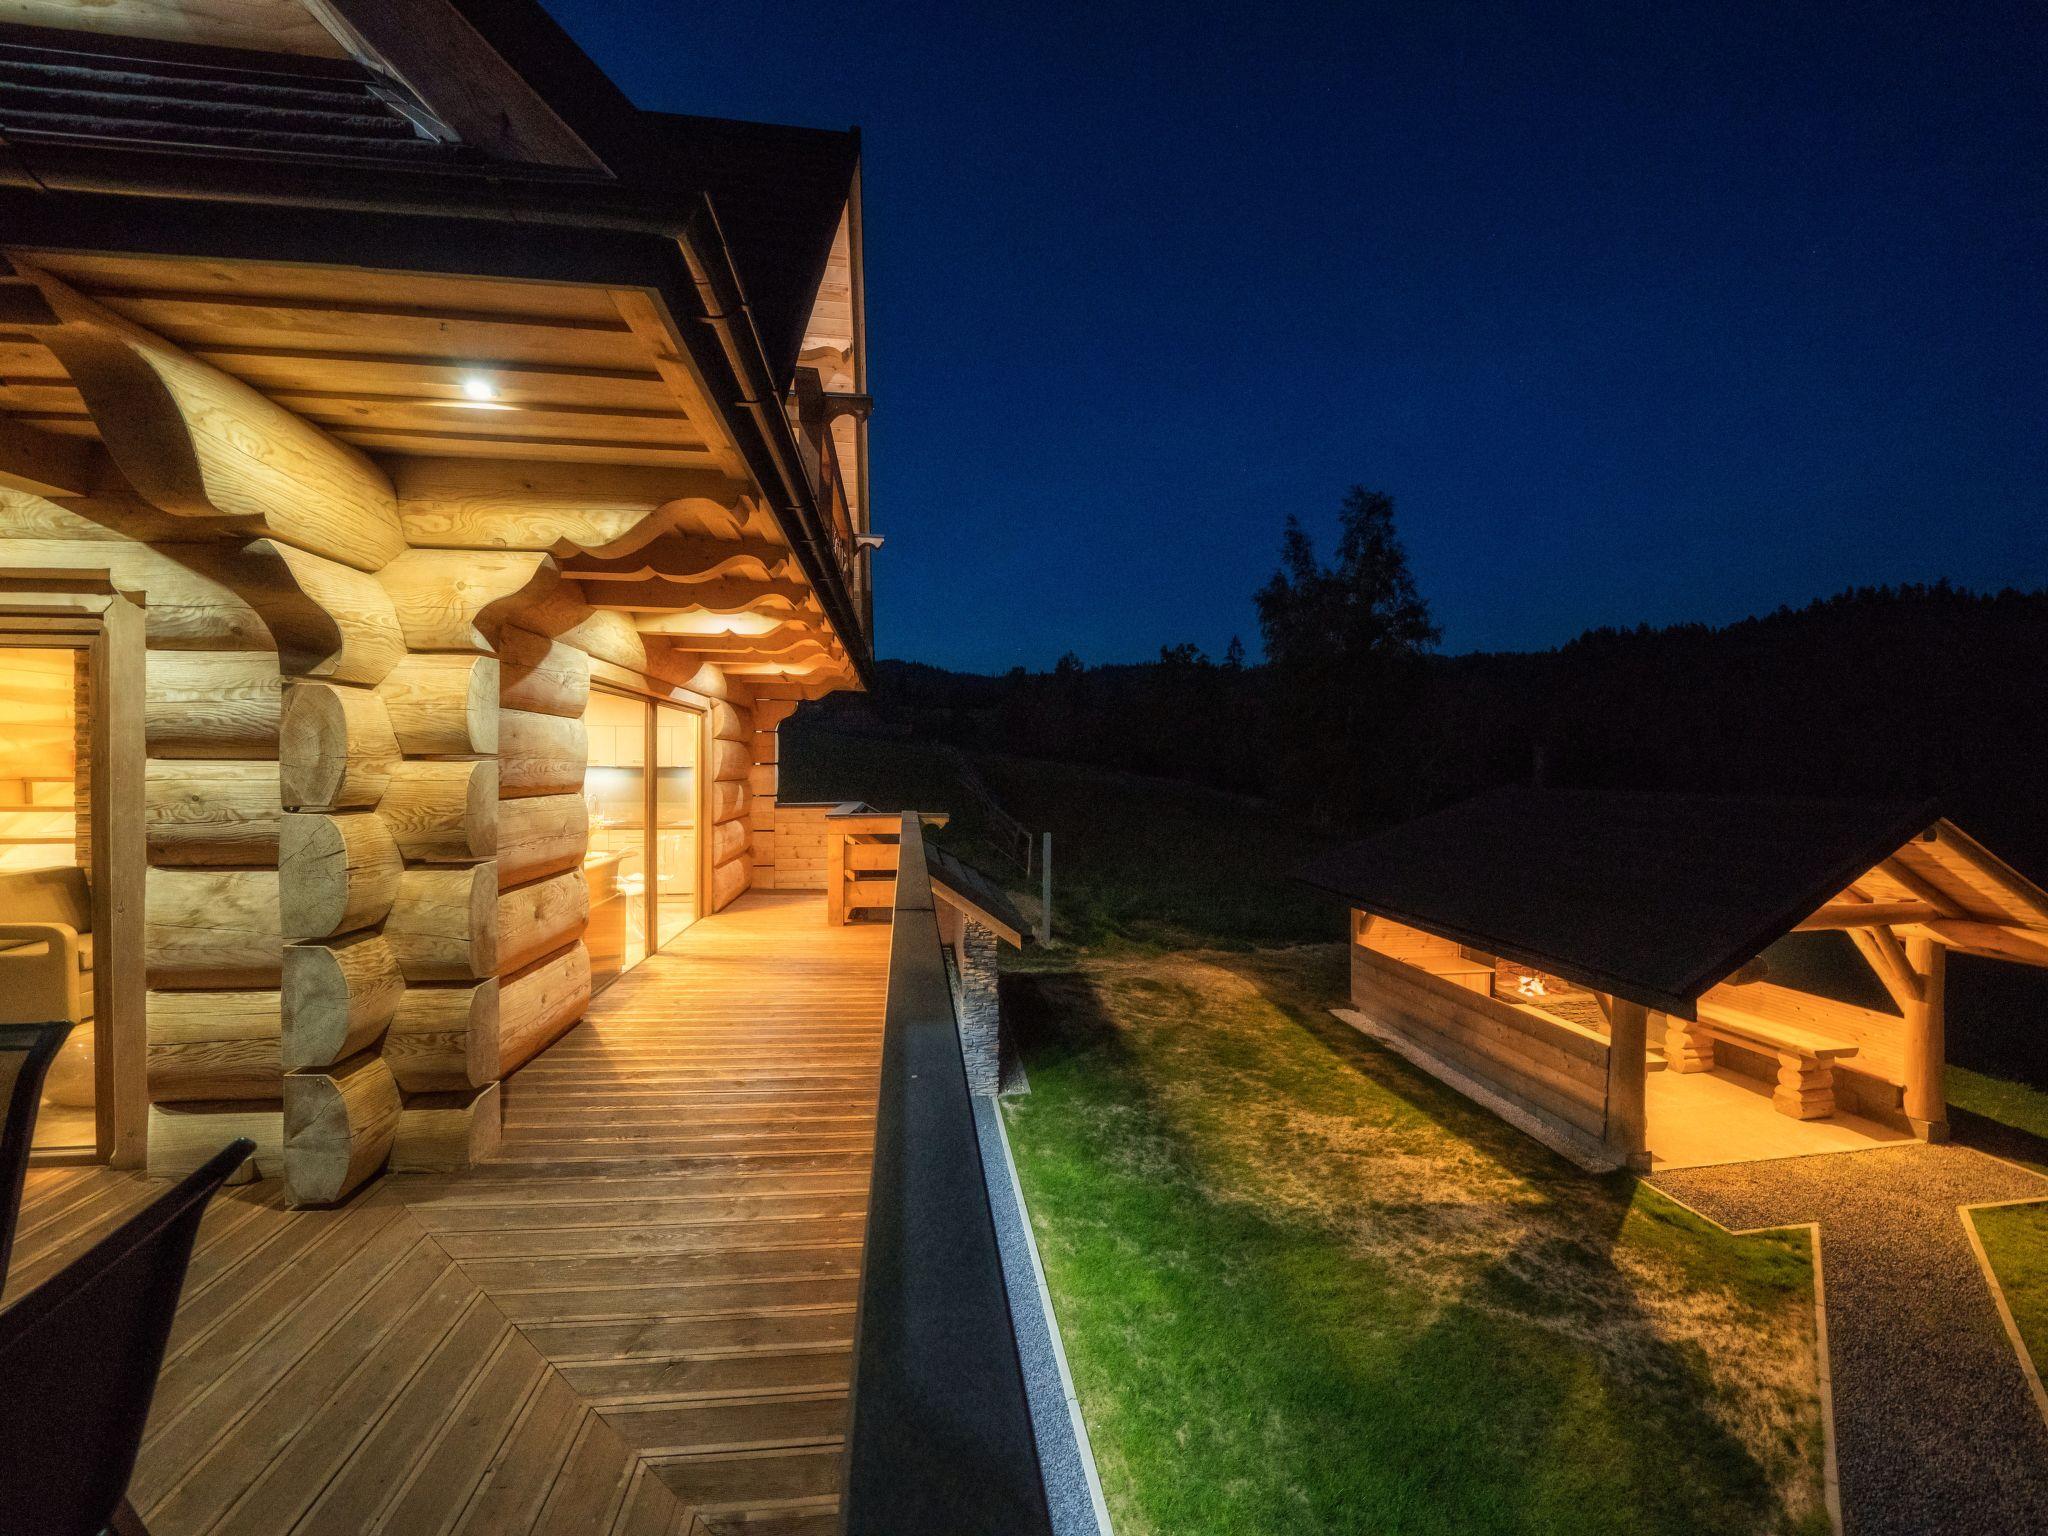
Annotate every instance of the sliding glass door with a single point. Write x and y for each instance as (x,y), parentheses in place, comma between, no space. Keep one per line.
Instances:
(644,862)
(677,856)
(46,875)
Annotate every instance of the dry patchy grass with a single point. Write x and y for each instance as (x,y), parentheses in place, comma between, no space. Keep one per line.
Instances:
(1304,1285)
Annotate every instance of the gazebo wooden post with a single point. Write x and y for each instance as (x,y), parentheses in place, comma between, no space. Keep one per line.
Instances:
(1628,1082)
(1926,1040)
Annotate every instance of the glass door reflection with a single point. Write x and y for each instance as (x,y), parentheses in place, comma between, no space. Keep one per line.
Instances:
(677,734)
(615,790)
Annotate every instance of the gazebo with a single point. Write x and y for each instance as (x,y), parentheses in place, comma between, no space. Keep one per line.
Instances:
(1592,965)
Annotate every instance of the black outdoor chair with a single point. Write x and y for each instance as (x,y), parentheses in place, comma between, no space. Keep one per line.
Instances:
(26,1051)
(79,1357)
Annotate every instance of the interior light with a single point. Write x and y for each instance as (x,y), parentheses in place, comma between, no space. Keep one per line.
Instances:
(477,387)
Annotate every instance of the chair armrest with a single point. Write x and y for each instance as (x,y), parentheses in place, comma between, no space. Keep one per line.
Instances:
(40,986)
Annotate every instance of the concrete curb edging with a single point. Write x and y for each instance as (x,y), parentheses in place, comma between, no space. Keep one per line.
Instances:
(1074,1488)
(2012,1327)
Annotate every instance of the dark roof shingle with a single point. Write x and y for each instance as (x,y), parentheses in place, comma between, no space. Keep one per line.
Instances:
(171,97)
(1654,897)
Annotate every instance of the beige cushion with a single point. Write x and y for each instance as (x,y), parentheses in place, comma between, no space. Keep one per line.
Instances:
(46,896)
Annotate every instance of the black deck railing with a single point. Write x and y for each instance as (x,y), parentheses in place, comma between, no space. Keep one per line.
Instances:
(941,1441)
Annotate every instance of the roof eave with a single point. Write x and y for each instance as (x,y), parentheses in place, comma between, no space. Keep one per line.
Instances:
(79,196)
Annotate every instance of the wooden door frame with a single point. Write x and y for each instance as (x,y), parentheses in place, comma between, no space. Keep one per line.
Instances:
(700,896)
(650,804)
(82,612)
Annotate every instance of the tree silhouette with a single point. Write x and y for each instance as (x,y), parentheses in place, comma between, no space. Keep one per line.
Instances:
(1342,643)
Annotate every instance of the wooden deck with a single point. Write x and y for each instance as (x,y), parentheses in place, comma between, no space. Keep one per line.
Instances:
(637,1318)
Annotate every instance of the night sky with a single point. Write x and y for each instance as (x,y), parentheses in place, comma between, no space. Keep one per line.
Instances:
(1641,312)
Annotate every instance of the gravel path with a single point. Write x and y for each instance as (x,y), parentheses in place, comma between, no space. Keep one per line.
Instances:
(1935,1427)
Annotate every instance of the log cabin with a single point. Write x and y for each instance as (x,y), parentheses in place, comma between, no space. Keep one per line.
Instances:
(428,481)
(1661,980)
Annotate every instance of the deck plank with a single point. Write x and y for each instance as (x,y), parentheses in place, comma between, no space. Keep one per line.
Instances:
(636,1319)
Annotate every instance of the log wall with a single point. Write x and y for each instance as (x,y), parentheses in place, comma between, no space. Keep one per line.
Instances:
(212,708)
(763,782)
(1554,1069)
(802,850)
(363,724)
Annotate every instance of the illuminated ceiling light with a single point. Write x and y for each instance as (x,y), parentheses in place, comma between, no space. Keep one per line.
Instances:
(476,387)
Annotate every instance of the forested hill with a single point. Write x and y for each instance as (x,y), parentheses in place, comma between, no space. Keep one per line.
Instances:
(1893,691)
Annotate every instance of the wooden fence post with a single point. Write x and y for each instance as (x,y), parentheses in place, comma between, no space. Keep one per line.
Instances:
(1045,888)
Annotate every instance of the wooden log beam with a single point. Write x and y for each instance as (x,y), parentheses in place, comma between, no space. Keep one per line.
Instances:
(214,1045)
(444,705)
(183,1136)
(338,1128)
(540,754)
(545,507)
(446,1132)
(444,1037)
(728,882)
(336,749)
(189,591)
(338,998)
(1884,954)
(1921,887)
(1925,1046)
(211,704)
(2014,887)
(2027,946)
(330,620)
(541,917)
(1627,1081)
(542,675)
(729,841)
(686,558)
(43,463)
(1867,914)
(721,596)
(339,872)
(444,923)
(606,637)
(198,443)
(444,812)
(212,928)
(780,643)
(541,835)
(197,812)
(538,1003)
(458,600)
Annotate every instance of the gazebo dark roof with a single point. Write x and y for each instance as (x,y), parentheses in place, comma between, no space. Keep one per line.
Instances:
(1653,897)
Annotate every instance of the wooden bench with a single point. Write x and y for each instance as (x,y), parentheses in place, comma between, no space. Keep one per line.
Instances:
(1806,1056)
(1472,975)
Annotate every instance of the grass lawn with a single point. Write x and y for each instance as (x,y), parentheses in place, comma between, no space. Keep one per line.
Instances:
(2015,1240)
(2015,1237)
(1304,1288)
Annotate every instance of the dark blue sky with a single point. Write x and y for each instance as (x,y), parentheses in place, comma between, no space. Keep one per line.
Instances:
(1640,311)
